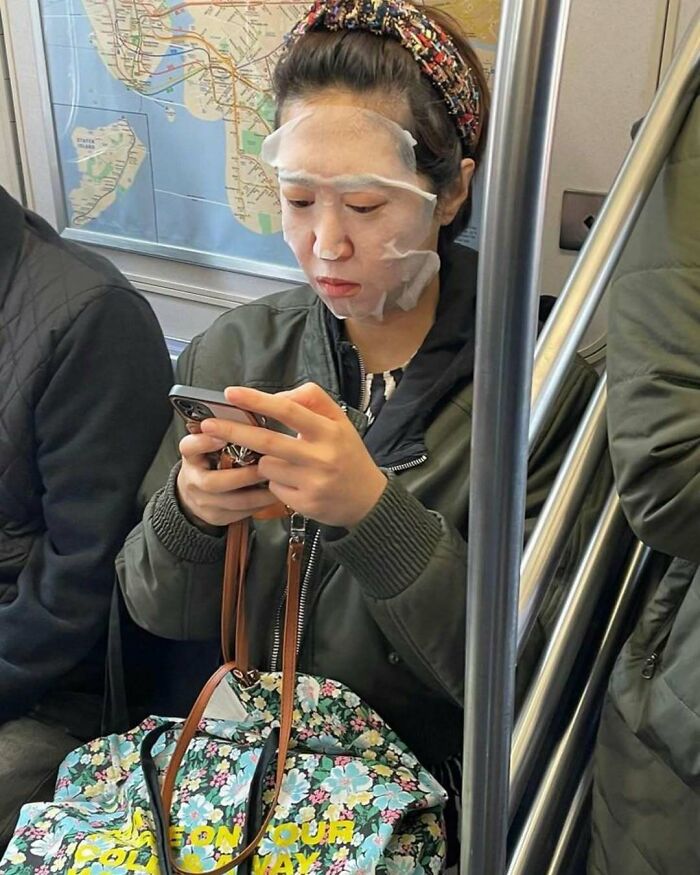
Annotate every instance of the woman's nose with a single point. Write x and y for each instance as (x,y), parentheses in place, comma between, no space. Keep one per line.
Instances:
(331,242)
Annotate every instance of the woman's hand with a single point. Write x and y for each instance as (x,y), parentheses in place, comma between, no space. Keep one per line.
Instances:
(325,472)
(217,497)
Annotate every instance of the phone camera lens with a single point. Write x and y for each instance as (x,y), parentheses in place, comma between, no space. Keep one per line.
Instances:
(193,410)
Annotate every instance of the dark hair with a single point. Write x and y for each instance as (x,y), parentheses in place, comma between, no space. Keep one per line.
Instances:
(359,62)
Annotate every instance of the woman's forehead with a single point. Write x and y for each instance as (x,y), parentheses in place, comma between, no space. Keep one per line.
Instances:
(392,106)
(330,140)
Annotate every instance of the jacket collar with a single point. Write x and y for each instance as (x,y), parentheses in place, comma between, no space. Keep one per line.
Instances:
(11,235)
(444,363)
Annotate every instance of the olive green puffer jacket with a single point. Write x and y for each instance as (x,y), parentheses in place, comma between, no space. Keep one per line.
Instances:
(646,807)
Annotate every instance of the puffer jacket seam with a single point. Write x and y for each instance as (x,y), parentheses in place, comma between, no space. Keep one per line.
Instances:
(651,750)
(620,826)
(657,375)
(39,241)
(666,268)
(75,253)
(89,300)
(690,710)
(683,159)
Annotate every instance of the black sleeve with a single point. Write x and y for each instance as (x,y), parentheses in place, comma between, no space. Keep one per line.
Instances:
(98,423)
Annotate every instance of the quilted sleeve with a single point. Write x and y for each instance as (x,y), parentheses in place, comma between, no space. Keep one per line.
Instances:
(98,422)
(654,359)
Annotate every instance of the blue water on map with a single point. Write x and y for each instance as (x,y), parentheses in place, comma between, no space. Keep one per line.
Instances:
(179,194)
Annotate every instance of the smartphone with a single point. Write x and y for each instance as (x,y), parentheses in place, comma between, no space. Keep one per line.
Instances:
(195,405)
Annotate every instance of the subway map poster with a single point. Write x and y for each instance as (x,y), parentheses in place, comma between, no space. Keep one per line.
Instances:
(160,109)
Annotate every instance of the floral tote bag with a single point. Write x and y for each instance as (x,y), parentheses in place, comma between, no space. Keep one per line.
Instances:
(271,774)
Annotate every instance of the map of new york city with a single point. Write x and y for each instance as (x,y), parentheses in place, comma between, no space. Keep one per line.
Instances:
(211,60)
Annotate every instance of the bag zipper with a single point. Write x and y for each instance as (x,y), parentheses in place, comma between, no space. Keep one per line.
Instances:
(246,679)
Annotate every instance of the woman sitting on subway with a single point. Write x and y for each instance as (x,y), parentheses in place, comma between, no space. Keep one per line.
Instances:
(381,112)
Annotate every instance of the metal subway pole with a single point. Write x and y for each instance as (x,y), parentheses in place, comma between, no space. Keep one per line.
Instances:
(574,824)
(528,69)
(532,853)
(598,258)
(597,570)
(556,520)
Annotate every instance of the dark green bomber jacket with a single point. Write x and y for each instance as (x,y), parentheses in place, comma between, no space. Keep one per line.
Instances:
(385,610)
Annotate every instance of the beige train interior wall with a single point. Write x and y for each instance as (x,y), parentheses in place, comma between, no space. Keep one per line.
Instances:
(10,169)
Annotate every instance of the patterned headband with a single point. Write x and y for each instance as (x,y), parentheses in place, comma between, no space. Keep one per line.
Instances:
(431,47)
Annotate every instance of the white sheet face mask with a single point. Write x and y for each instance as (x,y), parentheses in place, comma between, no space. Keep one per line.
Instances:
(354,209)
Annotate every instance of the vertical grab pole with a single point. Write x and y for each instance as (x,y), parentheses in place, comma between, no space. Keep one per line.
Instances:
(528,69)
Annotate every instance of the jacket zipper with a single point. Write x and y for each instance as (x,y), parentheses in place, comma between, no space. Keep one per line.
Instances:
(305,588)
(313,555)
(277,637)
(652,661)
(363,378)
(414,463)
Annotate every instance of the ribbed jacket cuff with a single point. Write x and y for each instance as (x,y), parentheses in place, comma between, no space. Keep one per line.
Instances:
(177,534)
(391,546)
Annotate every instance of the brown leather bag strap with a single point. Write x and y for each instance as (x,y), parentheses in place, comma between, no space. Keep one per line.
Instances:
(189,729)
(234,645)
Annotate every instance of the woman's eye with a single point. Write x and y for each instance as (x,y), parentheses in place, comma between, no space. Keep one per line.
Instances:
(364,209)
(298,204)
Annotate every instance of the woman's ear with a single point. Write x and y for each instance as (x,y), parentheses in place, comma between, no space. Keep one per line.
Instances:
(450,202)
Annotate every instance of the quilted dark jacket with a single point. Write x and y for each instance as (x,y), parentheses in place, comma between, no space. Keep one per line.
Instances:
(646,802)
(84,375)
